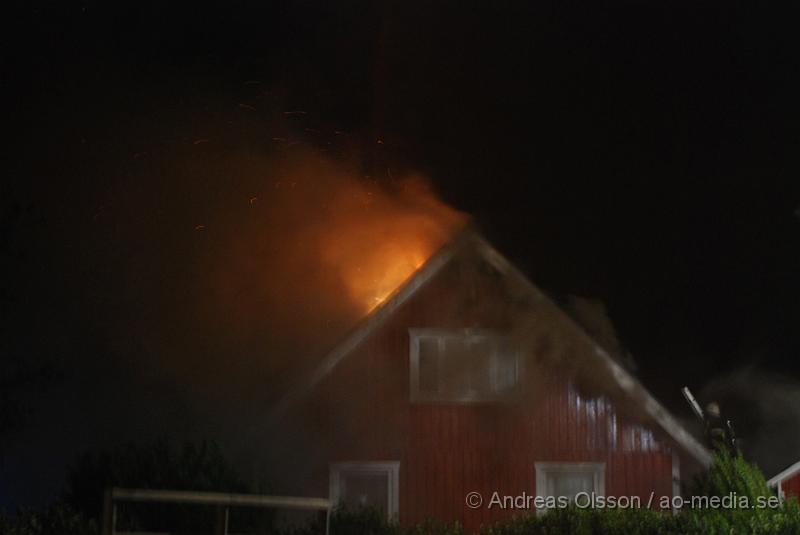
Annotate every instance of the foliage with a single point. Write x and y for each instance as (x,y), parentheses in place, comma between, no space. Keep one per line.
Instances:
(366,521)
(587,522)
(56,519)
(158,465)
(730,475)
(637,521)
(733,477)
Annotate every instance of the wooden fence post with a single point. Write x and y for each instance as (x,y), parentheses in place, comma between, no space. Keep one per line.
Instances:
(109,513)
(221,525)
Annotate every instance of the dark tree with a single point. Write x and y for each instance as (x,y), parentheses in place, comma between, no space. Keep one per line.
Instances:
(157,465)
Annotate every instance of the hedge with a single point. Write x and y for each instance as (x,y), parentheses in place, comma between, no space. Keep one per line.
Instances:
(729,476)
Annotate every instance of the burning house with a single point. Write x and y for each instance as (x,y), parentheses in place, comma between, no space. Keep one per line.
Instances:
(469,379)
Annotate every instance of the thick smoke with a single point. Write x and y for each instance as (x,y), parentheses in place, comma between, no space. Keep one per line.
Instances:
(270,269)
(764,408)
(258,271)
(211,277)
(318,248)
(208,252)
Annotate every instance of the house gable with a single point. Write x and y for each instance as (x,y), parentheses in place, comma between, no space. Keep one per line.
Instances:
(520,294)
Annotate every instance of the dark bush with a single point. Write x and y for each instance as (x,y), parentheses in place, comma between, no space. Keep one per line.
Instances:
(730,475)
(159,465)
(58,519)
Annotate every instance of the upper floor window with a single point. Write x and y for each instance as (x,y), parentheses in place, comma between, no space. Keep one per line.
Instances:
(461,365)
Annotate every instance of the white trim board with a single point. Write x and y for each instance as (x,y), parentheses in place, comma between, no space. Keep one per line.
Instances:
(390,468)
(544,469)
(784,474)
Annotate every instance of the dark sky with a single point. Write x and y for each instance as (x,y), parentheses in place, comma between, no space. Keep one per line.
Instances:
(642,153)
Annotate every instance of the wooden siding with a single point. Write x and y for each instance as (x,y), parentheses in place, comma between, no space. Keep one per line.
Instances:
(362,412)
(791,486)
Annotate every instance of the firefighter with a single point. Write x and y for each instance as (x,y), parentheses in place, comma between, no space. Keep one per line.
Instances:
(719,432)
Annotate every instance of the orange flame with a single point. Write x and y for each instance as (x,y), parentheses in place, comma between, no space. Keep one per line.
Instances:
(388,238)
(370,280)
(322,246)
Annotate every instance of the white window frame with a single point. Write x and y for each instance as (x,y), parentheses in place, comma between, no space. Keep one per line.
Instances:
(545,469)
(415,334)
(389,468)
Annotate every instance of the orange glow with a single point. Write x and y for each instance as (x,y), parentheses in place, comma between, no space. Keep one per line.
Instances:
(370,281)
(315,245)
(385,239)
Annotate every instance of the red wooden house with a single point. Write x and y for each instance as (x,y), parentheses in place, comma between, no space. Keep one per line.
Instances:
(787,482)
(469,379)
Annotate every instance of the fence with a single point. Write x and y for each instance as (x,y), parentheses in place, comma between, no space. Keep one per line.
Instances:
(222,501)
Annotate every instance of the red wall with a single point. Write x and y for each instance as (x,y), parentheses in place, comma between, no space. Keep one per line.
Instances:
(362,412)
(791,486)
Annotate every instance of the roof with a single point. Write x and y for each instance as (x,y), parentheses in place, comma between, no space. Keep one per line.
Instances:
(468,238)
(784,474)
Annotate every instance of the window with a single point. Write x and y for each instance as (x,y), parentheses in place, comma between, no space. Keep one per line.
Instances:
(568,479)
(461,365)
(372,484)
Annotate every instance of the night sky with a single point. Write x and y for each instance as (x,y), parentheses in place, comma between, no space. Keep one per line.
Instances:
(640,153)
